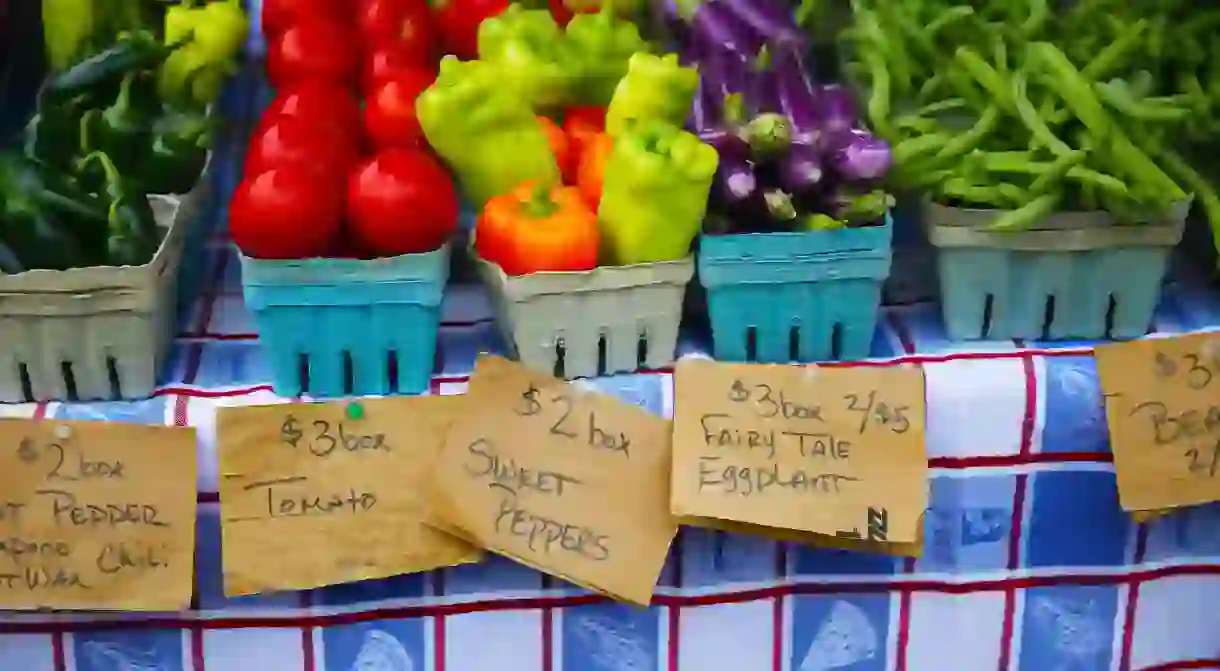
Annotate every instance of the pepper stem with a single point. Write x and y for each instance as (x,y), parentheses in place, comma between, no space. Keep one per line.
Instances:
(540,205)
(123,101)
(86,120)
(780,205)
(734,109)
(769,133)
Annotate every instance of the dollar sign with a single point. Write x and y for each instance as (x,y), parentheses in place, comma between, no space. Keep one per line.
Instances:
(27,452)
(1165,366)
(289,433)
(531,406)
(738,392)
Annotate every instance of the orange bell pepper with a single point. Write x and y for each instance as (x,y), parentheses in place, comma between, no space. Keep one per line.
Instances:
(538,229)
(561,146)
(582,125)
(593,168)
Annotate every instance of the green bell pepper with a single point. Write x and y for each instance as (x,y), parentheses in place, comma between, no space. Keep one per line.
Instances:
(654,193)
(178,152)
(132,237)
(121,129)
(52,135)
(490,138)
(48,221)
(655,87)
(529,50)
(601,46)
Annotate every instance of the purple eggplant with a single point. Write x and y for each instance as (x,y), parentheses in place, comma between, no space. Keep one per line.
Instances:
(762,86)
(772,20)
(668,17)
(797,97)
(858,155)
(714,28)
(736,180)
(800,170)
(837,109)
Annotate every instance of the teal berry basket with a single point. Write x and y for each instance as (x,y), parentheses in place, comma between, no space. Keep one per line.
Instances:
(1074,275)
(348,327)
(809,296)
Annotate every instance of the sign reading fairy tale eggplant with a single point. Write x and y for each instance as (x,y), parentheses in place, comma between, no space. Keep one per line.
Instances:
(1163,411)
(558,477)
(832,452)
(315,494)
(96,515)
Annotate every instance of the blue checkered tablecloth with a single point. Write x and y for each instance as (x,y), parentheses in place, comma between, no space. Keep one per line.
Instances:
(1029,565)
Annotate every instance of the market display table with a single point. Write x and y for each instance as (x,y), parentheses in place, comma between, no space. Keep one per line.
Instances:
(1029,562)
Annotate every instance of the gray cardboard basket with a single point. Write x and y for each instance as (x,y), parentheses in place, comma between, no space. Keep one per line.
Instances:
(563,322)
(94,333)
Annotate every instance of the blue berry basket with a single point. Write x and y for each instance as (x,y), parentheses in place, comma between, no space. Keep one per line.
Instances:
(1075,275)
(780,297)
(340,327)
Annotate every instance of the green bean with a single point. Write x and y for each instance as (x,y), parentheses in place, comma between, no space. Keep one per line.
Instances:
(1027,215)
(963,143)
(1118,97)
(1114,53)
(1043,135)
(907,151)
(1058,170)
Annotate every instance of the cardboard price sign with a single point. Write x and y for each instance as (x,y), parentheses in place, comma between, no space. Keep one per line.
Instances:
(568,481)
(837,452)
(96,515)
(316,494)
(1163,410)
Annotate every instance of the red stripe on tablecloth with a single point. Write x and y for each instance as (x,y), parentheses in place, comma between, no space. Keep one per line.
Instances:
(59,661)
(674,613)
(439,637)
(1028,422)
(547,630)
(811,588)
(903,644)
(777,610)
(309,660)
(1185,665)
(1133,594)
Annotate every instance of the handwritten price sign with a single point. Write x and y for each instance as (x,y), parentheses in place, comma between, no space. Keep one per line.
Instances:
(830,451)
(325,493)
(568,481)
(1163,410)
(96,515)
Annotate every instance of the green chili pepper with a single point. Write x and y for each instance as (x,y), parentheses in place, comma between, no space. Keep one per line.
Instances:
(48,221)
(491,140)
(654,193)
(602,45)
(178,152)
(528,49)
(121,130)
(131,53)
(132,235)
(654,88)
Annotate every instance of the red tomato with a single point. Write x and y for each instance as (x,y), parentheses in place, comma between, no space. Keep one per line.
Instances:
(389,62)
(401,201)
(389,112)
(317,101)
(459,23)
(288,212)
(325,150)
(279,15)
(408,24)
(314,49)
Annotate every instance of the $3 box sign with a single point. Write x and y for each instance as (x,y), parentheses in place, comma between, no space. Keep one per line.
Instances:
(829,456)
(315,494)
(1162,400)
